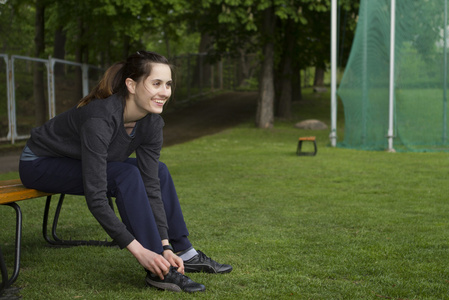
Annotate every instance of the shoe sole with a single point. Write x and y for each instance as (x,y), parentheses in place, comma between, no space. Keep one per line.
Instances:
(205,269)
(163,285)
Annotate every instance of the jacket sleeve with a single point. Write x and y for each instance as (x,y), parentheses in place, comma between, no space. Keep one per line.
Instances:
(96,134)
(148,162)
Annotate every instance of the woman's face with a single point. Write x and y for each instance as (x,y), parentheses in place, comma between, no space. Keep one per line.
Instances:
(150,95)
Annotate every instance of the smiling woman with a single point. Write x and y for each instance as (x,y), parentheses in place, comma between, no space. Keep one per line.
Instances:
(86,150)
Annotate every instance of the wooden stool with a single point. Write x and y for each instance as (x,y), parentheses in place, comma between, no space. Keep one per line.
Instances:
(306,139)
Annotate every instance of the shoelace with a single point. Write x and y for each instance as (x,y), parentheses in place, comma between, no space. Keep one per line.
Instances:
(202,257)
(175,274)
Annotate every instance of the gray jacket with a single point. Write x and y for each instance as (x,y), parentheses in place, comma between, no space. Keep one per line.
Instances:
(95,134)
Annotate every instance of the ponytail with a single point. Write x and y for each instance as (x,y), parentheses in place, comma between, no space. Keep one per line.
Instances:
(107,85)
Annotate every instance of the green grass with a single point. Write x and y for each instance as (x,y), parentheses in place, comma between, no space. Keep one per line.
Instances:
(344,224)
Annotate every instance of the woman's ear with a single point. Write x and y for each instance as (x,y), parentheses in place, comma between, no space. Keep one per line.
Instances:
(131,85)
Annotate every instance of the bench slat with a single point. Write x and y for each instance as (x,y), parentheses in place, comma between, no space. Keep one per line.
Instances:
(13,190)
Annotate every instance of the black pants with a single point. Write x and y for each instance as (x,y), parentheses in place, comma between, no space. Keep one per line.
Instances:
(64,175)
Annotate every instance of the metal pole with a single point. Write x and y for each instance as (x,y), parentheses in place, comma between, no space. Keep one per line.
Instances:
(333,134)
(391,108)
(445,76)
(365,72)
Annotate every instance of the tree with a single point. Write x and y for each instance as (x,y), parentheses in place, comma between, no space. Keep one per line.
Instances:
(16,28)
(257,22)
(248,25)
(286,76)
(57,21)
(38,73)
(265,107)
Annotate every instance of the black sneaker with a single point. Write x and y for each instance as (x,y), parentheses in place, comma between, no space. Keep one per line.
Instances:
(175,282)
(203,263)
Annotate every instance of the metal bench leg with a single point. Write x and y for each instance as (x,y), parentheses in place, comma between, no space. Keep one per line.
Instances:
(4,272)
(6,282)
(300,153)
(55,240)
(15,273)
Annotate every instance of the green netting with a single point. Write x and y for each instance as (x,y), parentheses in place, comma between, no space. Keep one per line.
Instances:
(420,80)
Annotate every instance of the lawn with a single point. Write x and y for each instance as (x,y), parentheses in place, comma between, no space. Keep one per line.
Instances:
(344,224)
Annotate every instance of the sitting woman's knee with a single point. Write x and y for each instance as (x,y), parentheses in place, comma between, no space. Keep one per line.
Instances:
(163,170)
(130,171)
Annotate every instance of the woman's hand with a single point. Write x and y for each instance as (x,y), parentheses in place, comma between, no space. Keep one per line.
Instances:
(174,260)
(150,260)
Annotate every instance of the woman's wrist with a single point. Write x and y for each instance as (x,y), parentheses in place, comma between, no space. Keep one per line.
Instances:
(136,249)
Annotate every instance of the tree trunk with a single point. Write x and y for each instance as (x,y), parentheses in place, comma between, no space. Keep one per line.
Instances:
(126,46)
(319,76)
(202,67)
(205,42)
(59,49)
(79,59)
(85,53)
(38,72)
(167,45)
(265,110)
(285,100)
(244,68)
(296,85)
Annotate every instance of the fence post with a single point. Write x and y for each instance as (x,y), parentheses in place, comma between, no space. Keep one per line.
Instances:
(85,72)
(10,99)
(12,107)
(51,87)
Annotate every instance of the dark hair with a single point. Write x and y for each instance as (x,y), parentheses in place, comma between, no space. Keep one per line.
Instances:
(137,66)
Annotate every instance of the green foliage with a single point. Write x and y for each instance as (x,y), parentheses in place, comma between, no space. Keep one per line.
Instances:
(251,84)
(102,27)
(110,29)
(16,28)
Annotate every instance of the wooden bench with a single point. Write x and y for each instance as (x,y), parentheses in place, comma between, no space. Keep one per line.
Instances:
(12,191)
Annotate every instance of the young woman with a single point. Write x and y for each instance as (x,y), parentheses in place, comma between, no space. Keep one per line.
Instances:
(85,151)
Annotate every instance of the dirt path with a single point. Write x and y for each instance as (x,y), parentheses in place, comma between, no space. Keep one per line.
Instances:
(202,118)
(209,116)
